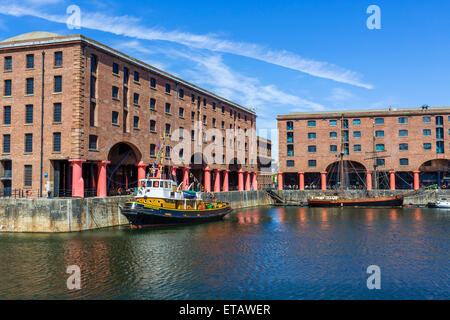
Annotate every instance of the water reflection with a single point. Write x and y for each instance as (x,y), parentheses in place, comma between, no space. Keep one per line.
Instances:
(264,253)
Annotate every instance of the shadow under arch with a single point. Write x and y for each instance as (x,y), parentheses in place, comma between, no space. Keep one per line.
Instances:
(354,175)
(435,172)
(122,172)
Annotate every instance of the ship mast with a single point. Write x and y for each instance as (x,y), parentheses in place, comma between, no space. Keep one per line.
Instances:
(341,161)
(375,175)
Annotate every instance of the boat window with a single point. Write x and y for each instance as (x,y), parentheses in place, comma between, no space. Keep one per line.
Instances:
(166,185)
(142,184)
(156,184)
(149,184)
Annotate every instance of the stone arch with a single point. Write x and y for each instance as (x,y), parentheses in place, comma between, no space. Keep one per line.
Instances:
(435,172)
(122,172)
(354,174)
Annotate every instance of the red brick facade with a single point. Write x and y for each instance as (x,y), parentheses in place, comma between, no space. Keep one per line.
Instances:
(410,138)
(87,112)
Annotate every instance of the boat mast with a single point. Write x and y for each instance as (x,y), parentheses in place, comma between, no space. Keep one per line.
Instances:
(375,174)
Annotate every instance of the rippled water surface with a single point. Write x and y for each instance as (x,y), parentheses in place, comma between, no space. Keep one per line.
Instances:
(264,253)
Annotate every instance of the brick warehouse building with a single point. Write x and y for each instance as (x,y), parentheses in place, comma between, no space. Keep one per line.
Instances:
(409,148)
(105,115)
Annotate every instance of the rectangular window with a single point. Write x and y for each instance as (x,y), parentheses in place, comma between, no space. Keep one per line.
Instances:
(427,146)
(152,104)
(136,122)
(136,99)
(403,133)
(223,109)
(290,137)
(57,112)
(404,162)
(56,142)
(115,69)
(403,120)
(58,61)
(214,109)
(28,176)
(29,114)
(167,152)
(167,130)
(8,63)
(333,148)
(289,125)
(6,143)
(439,133)
(152,126)
(311,123)
(167,88)
(28,143)
(181,93)
(181,112)
(290,163)
(192,115)
(7,115)
(152,150)
(115,93)
(152,83)
(204,102)
(30,61)
(223,125)
(115,117)
(312,163)
(333,135)
(439,147)
(8,88)
(312,149)
(426,132)
(356,134)
(94,63)
(379,134)
(356,122)
(93,115)
(311,135)
(136,76)
(93,87)
(379,121)
(93,142)
(403,147)
(126,75)
(57,84)
(426,119)
(29,86)
(204,120)
(168,108)
(357,148)
(192,135)
(214,122)
(380,162)
(333,123)
(290,150)
(379,147)
(439,120)
(125,97)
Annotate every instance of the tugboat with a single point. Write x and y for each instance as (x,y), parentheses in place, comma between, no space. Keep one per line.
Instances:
(161,202)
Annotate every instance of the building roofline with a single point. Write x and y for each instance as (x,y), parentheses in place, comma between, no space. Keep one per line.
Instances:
(98,45)
(364,113)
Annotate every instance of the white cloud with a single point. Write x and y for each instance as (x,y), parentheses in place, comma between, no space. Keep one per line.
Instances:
(130,27)
(339,94)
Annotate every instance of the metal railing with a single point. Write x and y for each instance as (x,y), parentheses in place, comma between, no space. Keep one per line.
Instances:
(20,193)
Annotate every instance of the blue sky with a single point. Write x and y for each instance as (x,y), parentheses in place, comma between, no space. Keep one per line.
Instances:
(275,56)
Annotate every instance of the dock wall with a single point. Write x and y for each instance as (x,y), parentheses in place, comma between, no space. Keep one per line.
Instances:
(75,214)
(421,198)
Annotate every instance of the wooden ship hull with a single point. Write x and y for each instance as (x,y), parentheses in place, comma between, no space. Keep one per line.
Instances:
(396,201)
